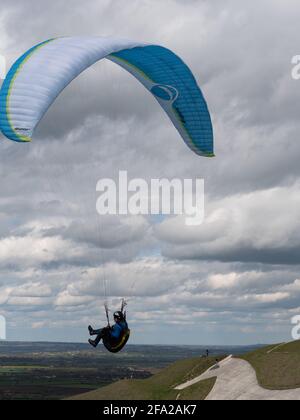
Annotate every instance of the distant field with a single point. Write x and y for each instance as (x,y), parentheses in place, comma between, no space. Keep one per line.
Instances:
(36,382)
(277,367)
(54,371)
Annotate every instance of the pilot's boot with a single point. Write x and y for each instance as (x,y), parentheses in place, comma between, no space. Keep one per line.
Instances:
(99,337)
(91,330)
(93,343)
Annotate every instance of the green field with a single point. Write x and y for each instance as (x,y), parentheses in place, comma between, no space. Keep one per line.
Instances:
(277,368)
(160,386)
(39,382)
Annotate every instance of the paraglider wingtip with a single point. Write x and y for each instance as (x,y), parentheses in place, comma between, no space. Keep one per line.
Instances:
(19,139)
(25,140)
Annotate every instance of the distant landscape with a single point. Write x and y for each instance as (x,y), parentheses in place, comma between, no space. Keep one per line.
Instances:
(60,370)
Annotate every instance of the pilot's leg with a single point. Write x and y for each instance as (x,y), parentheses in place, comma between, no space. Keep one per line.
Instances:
(100,334)
(97,332)
(94,332)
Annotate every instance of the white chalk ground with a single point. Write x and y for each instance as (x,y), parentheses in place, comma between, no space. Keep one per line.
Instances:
(236,380)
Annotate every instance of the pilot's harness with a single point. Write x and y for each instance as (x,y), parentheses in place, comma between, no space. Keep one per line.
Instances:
(126,334)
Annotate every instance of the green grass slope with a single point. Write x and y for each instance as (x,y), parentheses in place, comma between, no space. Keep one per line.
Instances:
(159,386)
(277,367)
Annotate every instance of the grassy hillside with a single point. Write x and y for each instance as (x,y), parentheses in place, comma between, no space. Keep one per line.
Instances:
(277,367)
(159,386)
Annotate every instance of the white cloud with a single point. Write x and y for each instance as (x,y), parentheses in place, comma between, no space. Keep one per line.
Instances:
(66,299)
(269,297)
(259,226)
(223,281)
(34,290)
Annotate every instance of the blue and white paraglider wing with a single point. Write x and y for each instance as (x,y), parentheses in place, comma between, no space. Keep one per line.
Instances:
(39,76)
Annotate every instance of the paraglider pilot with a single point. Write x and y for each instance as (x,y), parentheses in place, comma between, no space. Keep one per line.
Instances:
(114,338)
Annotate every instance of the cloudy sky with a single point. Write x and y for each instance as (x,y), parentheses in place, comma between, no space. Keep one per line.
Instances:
(233,280)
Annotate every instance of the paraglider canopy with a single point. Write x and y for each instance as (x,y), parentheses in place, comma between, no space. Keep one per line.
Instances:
(39,76)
